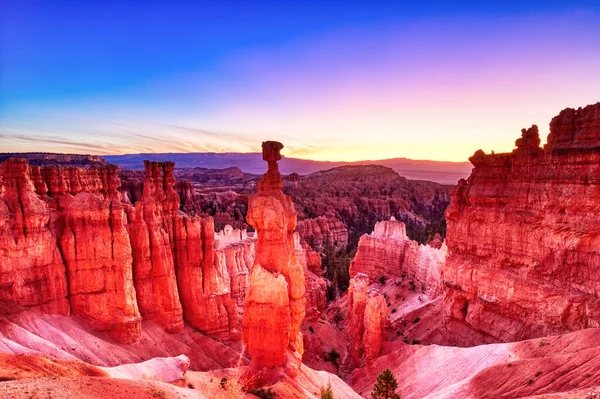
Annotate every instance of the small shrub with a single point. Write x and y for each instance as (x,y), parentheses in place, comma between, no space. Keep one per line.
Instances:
(416,320)
(327,393)
(312,330)
(263,393)
(415,342)
(411,286)
(382,280)
(543,343)
(191,385)
(223,383)
(538,373)
(393,310)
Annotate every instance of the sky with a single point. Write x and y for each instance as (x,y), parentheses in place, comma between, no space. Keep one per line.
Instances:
(339,81)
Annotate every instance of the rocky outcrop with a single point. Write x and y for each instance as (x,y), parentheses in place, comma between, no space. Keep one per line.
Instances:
(153,241)
(90,225)
(95,247)
(275,300)
(205,284)
(315,285)
(388,252)
(77,227)
(32,272)
(132,185)
(322,232)
(523,238)
(73,244)
(367,313)
(235,253)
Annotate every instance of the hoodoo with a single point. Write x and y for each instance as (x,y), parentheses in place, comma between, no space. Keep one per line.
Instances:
(275,300)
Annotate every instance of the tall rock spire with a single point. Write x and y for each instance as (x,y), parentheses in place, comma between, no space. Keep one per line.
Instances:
(275,300)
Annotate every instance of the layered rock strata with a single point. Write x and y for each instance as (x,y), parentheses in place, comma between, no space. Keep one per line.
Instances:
(367,320)
(523,235)
(275,300)
(322,232)
(71,243)
(32,271)
(388,252)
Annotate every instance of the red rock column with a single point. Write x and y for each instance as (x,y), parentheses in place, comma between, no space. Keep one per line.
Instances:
(32,272)
(153,244)
(275,300)
(367,320)
(97,252)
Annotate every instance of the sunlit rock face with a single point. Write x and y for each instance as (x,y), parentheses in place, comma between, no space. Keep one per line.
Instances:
(65,236)
(275,300)
(388,252)
(95,247)
(523,237)
(32,272)
(152,239)
(71,243)
(367,312)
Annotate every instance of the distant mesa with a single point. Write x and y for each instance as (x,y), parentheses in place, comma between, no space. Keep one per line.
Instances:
(50,159)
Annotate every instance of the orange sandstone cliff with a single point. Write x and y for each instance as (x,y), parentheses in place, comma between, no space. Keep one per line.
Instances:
(523,236)
(32,270)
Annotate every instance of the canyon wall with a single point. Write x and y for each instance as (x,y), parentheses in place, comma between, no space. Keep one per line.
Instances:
(388,252)
(32,271)
(75,240)
(523,236)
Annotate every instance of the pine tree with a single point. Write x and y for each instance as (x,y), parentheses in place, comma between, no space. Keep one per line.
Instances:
(386,385)
(327,393)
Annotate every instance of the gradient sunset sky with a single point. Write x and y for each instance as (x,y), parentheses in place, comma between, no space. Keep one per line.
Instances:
(331,80)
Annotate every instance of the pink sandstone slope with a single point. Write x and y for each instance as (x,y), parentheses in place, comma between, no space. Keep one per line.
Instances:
(557,364)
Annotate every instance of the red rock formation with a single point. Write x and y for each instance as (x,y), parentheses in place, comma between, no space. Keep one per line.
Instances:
(275,301)
(152,240)
(95,247)
(235,254)
(32,272)
(389,252)
(315,285)
(367,312)
(89,223)
(132,185)
(523,237)
(204,282)
(322,232)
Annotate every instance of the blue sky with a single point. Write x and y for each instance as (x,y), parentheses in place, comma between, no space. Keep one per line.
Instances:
(340,81)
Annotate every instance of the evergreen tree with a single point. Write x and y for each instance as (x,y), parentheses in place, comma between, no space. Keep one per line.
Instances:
(327,393)
(386,385)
